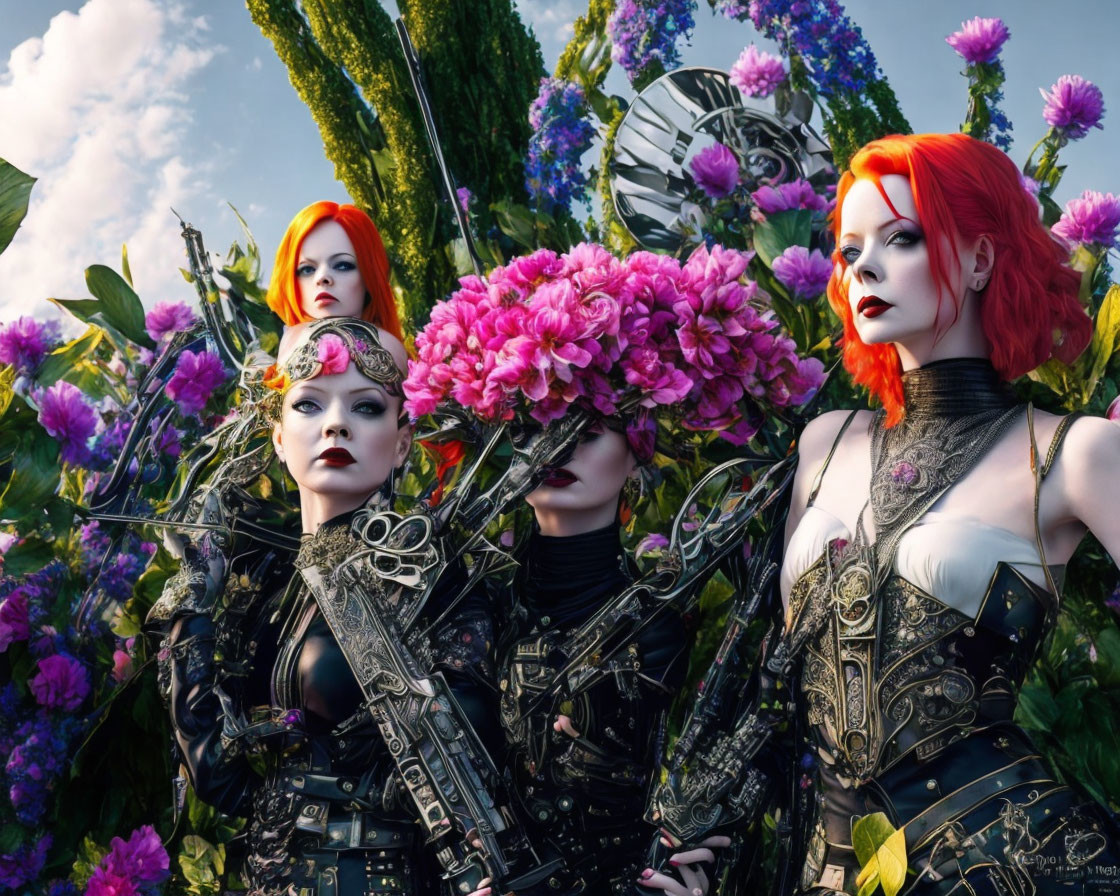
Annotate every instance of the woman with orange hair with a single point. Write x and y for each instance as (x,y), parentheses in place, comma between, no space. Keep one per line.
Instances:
(332,263)
(926,541)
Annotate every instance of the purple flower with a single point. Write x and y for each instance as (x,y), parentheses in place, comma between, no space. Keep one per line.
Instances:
(1113,412)
(561,135)
(167,318)
(979,40)
(21,866)
(1091,219)
(645,33)
(732,9)
(25,342)
(715,170)
(105,883)
(652,542)
(802,272)
(14,625)
(64,414)
(757,73)
(794,194)
(141,858)
(1073,105)
(465,198)
(195,378)
(1113,600)
(62,683)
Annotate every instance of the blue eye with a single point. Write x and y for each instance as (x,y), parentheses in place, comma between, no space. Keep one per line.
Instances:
(305,270)
(305,406)
(344,266)
(850,254)
(904,238)
(369,408)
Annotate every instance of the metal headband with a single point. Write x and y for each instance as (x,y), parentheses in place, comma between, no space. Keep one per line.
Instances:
(329,346)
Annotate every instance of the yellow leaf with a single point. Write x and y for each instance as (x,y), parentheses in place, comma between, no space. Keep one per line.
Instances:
(892,863)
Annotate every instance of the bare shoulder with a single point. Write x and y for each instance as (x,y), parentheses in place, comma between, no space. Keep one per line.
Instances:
(816,444)
(1091,451)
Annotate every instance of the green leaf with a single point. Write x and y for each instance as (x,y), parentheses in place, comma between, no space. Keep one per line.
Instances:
(881,851)
(66,357)
(35,476)
(119,303)
(869,833)
(516,221)
(15,192)
(88,311)
(126,271)
(7,380)
(782,230)
(30,555)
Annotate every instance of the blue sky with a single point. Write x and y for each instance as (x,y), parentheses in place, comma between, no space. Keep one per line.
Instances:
(124,108)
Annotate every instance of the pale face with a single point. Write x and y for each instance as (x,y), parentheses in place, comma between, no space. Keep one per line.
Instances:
(583,495)
(339,437)
(327,275)
(891,289)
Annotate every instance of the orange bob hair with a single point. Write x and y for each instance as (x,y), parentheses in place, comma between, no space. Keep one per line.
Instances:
(964,189)
(373,265)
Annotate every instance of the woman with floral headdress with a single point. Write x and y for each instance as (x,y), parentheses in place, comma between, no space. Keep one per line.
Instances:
(617,345)
(926,542)
(268,714)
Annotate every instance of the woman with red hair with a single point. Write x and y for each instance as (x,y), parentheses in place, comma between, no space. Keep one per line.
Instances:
(332,263)
(926,541)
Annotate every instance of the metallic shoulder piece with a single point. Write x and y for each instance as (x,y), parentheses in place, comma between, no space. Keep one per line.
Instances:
(684,112)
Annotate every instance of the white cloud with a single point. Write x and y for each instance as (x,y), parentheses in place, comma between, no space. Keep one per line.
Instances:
(552,22)
(97,109)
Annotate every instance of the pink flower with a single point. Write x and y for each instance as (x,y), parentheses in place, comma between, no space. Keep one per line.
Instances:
(333,354)
(794,194)
(64,414)
(652,543)
(1091,219)
(757,73)
(122,665)
(979,40)
(1073,106)
(465,198)
(106,883)
(25,342)
(167,318)
(14,624)
(715,170)
(805,274)
(62,683)
(195,378)
(141,858)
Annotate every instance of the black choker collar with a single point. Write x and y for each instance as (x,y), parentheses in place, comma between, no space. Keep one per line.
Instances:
(955,387)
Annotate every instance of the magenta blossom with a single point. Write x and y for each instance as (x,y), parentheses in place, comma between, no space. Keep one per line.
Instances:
(1113,412)
(794,194)
(715,170)
(333,354)
(168,318)
(465,198)
(141,858)
(196,377)
(805,274)
(979,40)
(652,543)
(14,624)
(757,73)
(25,342)
(1073,106)
(106,883)
(70,421)
(1091,219)
(62,683)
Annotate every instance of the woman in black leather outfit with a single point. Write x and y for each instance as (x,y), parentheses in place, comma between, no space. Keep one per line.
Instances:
(269,718)
(581,768)
(926,541)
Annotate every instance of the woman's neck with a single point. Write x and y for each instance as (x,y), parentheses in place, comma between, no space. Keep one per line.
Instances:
(316,509)
(563,523)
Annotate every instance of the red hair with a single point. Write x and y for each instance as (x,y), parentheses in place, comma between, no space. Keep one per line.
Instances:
(373,265)
(965,189)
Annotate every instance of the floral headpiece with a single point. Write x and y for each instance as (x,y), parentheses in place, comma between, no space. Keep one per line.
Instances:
(646,334)
(328,347)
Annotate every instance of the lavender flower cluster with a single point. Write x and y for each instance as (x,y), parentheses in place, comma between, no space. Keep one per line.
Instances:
(561,135)
(832,47)
(645,33)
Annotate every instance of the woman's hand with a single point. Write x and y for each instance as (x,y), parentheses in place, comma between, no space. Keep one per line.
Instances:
(564,724)
(484,888)
(689,865)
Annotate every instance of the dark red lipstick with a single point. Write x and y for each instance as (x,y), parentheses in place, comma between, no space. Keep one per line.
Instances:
(337,457)
(559,478)
(872,306)
(325,298)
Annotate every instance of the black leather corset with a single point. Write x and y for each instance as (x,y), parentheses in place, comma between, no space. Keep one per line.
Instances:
(903,674)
